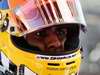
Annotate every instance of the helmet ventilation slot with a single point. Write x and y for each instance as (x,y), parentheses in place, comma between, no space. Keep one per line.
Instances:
(53,64)
(69,63)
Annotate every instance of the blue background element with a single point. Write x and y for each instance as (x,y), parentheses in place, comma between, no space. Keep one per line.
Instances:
(3,4)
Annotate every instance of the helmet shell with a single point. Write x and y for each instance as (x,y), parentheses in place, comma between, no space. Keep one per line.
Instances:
(43,13)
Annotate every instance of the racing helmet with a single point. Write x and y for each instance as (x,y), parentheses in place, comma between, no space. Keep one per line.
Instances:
(22,17)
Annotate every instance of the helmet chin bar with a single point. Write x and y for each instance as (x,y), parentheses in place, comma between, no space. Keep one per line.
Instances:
(9,68)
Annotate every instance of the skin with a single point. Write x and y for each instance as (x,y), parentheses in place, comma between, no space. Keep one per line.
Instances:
(49,39)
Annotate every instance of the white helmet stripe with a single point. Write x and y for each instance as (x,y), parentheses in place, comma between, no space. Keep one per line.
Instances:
(41,11)
(65,11)
(72,8)
(57,10)
(80,13)
(54,12)
(47,11)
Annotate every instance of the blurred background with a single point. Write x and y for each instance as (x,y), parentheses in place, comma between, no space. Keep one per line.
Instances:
(91,40)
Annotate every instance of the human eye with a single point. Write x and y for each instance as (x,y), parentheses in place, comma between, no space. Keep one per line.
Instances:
(40,34)
(61,32)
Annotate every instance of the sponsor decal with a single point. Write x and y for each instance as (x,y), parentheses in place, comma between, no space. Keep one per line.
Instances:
(70,68)
(43,57)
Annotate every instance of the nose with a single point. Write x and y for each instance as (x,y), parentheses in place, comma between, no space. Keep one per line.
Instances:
(52,41)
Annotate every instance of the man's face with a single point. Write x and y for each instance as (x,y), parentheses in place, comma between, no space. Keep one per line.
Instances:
(49,39)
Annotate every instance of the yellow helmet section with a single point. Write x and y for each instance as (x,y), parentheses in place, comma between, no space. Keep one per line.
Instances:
(40,64)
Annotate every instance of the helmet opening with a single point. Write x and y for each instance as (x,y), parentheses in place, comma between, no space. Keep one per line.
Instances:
(70,45)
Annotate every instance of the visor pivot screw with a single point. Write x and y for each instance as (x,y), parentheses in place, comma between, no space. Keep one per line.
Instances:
(12,29)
